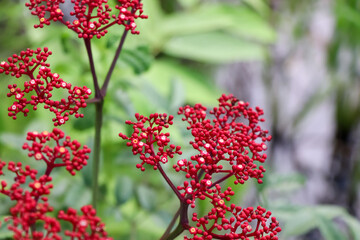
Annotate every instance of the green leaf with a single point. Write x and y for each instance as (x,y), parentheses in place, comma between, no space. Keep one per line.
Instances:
(123,99)
(88,121)
(177,95)
(236,19)
(123,189)
(5,233)
(214,47)
(146,197)
(197,21)
(353,225)
(198,87)
(154,97)
(329,230)
(138,59)
(78,195)
(305,220)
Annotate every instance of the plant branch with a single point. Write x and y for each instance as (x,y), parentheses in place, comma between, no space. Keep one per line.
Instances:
(167,179)
(221,179)
(113,63)
(183,224)
(92,68)
(97,151)
(171,225)
(98,124)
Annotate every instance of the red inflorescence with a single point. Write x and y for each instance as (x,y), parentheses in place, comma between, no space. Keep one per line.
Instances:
(32,208)
(46,11)
(229,145)
(39,89)
(93,18)
(147,133)
(87,226)
(72,156)
(241,224)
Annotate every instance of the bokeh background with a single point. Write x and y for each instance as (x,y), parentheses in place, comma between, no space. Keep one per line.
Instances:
(298,60)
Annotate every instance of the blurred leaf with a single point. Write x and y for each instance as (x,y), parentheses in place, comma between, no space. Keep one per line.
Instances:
(77,195)
(122,98)
(305,220)
(314,100)
(138,59)
(345,12)
(215,47)
(177,95)
(299,220)
(153,96)
(197,21)
(353,225)
(188,3)
(88,121)
(123,189)
(284,183)
(198,87)
(146,197)
(261,6)
(328,229)
(5,233)
(236,19)
(12,140)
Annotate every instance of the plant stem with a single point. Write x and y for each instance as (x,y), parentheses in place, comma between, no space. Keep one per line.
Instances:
(113,63)
(98,124)
(183,223)
(92,68)
(172,223)
(97,150)
(99,102)
(167,179)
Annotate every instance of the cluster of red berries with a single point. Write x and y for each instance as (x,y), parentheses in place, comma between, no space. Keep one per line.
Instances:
(238,224)
(230,144)
(39,89)
(86,226)
(72,156)
(147,134)
(93,18)
(30,192)
(46,11)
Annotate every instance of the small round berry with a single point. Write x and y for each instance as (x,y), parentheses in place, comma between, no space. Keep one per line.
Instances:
(62,150)
(83,223)
(38,156)
(37,185)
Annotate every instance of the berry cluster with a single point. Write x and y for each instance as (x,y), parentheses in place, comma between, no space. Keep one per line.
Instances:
(238,225)
(30,192)
(85,226)
(230,144)
(31,206)
(147,133)
(93,18)
(46,11)
(73,158)
(39,89)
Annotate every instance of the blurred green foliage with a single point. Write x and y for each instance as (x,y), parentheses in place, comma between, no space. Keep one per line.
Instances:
(168,65)
(165,67)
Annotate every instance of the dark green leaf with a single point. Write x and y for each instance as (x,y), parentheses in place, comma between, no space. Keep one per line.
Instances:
(214,47)
(123,189)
